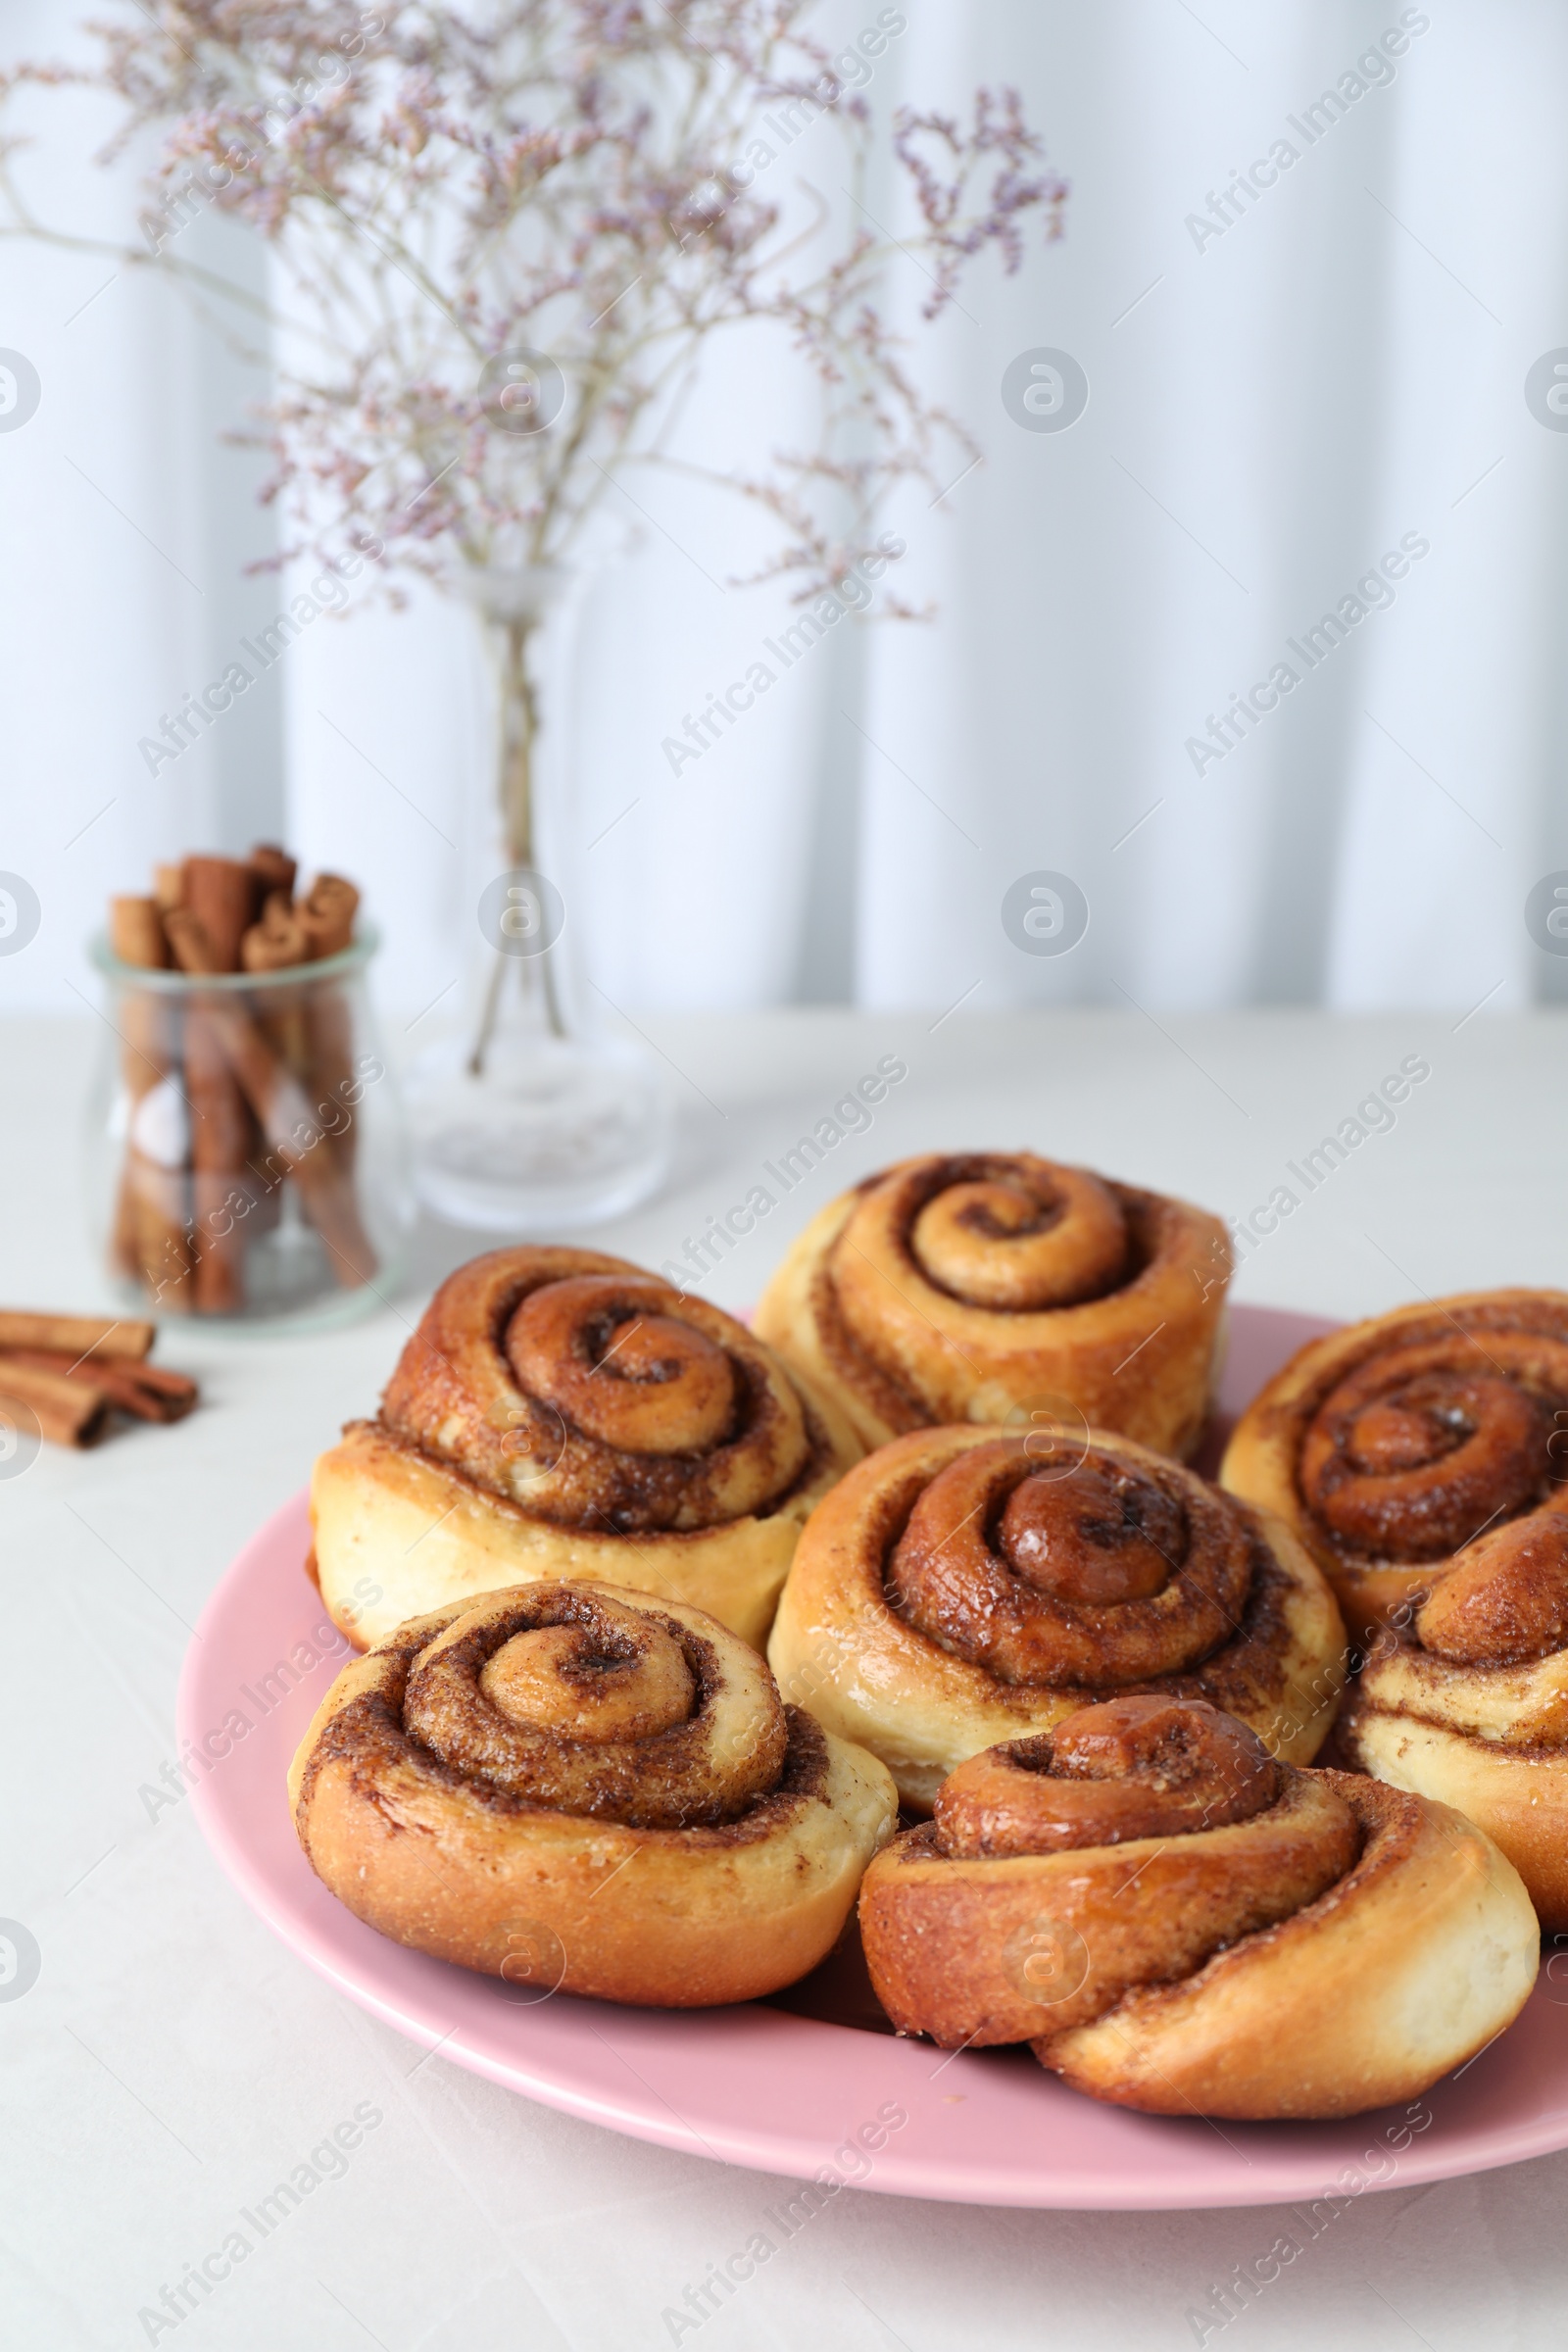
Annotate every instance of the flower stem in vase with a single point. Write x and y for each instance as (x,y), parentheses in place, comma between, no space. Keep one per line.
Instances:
(518,735)
(530,1114)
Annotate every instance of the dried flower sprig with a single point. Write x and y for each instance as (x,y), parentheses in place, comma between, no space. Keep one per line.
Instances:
(509,231)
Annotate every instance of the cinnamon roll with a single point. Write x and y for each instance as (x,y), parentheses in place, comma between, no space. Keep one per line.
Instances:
(961,1588)
(997,1287)
(1175,1920)
(1392,1447)
(1468,1701)
(578,1789)
(560,1413)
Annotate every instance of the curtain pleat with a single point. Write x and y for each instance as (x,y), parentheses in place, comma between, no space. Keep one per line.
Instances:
(1262,652)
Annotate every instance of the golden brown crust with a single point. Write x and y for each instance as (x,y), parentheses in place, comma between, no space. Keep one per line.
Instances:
(997,1288)
(597,1396)
(1408,1965)
(1339,1948)
(560,1412)
(1133,1767)
(1393,1446)
(530,1788)
(908,1676)
(1517,1795)
(1419,1456)
(976,1952)
(1490,1740)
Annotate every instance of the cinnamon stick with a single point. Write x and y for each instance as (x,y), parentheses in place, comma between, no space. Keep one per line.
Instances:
(327,912)
(278,940)
(69,1412)
(275,869)
(136,932)
(326,916)
(330,1056)
(147,1391)
(298,1144)
(76,1336)
(278,943)
(205,933)
(152,1210)
(295,1139)
(168,886)
(177,1386)
(221,1139)
(281,1018)
(222,895)
(192,947)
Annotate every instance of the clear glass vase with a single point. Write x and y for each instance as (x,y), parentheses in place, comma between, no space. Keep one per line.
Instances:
(532,1114)
(247,1160)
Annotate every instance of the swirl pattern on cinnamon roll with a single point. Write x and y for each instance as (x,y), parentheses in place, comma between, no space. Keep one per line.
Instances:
(1175,1920)
(575,1787)
(1396,1445)
(561,1413)
(961,1588)
(999,1286)
(1467,1700)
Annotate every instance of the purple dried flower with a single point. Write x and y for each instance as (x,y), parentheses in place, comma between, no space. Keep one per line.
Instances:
(577,178)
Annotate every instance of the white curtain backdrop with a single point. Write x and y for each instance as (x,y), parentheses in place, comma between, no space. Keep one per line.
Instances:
(1274,407)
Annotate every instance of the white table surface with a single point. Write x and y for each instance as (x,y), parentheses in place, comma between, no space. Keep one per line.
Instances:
(172,2061)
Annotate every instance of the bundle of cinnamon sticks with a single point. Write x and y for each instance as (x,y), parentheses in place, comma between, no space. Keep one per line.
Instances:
(71,1372)
(236,1097)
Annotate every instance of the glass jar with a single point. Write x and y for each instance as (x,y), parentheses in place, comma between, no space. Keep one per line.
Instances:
(247,1152)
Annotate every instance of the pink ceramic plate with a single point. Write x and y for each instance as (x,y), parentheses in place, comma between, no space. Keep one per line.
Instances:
(775,2088)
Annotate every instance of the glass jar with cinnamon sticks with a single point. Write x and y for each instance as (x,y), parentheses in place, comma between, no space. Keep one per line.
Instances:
(251,1162)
